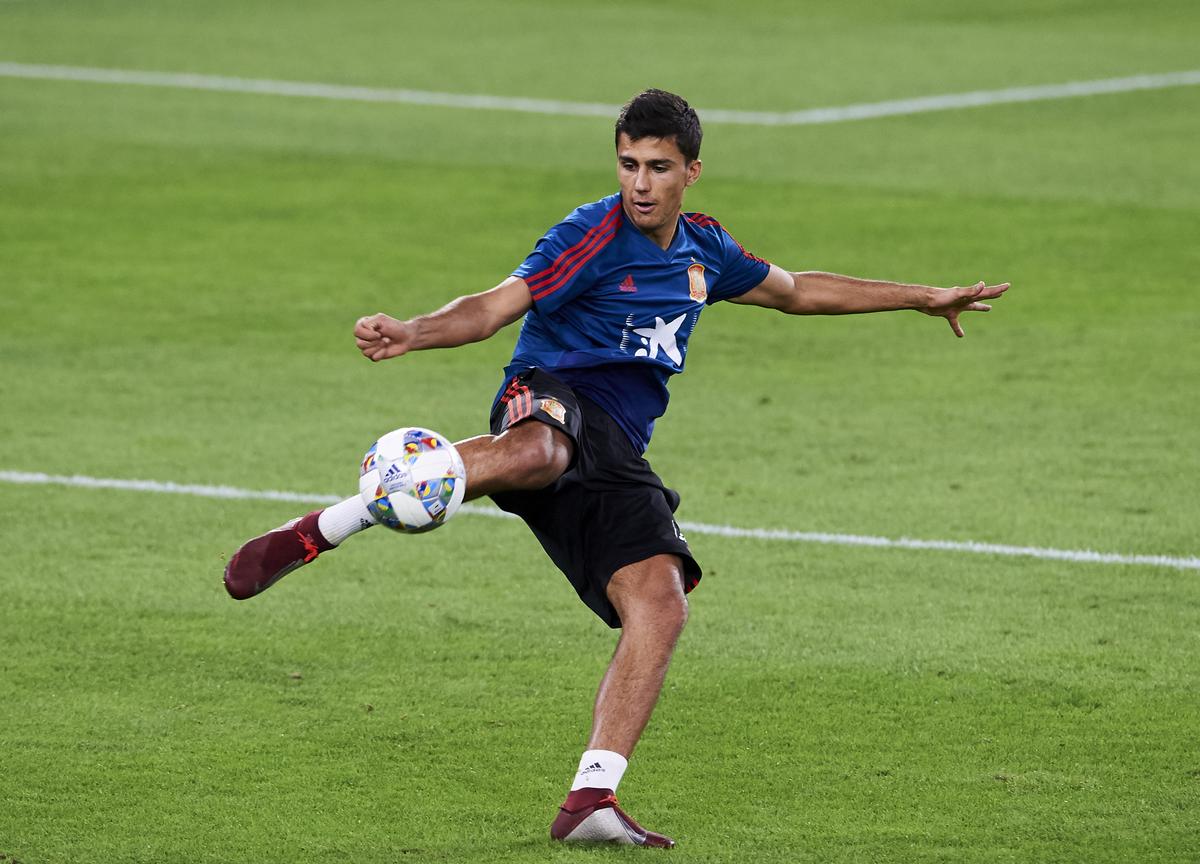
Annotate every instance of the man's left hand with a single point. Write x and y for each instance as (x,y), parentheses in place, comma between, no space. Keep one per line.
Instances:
(949,302)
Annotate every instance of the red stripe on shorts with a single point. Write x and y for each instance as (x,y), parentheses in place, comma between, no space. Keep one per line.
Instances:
(521,405)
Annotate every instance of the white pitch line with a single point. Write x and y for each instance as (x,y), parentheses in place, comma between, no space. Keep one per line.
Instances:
(1078,556)
(476,101)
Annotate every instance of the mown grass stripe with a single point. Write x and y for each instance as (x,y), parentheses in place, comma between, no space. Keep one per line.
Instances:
(479,101)
(1077,556)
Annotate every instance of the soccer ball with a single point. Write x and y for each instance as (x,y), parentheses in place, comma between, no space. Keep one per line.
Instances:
(412,480)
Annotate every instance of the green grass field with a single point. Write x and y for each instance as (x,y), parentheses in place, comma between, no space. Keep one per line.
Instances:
(179,275)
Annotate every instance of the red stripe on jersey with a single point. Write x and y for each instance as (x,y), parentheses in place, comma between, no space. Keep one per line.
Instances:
(567,257)
(562,274)
(597,247)
(749,255)
(704,221)
(558,274)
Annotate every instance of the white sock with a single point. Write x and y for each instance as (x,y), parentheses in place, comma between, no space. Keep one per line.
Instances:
(600,769)
(339,521)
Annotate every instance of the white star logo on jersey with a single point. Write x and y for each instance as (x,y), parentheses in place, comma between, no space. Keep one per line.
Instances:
(660,337)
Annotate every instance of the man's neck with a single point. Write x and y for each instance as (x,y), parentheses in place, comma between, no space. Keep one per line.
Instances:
(663,236)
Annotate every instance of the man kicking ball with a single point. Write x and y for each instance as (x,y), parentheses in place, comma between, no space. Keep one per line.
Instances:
(610,297)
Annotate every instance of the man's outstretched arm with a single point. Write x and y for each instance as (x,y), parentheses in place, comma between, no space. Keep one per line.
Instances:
(472,318)
(816,293)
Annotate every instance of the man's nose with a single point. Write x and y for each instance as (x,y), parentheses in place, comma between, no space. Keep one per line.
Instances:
(642,181)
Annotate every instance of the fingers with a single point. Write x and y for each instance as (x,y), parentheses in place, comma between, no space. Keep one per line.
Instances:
(981,291)
(368,336)
(968,299)
(984,292)
(367,327)
(379,351)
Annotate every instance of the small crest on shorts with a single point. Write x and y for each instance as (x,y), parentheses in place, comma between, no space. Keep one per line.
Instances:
(697,287)
(555,409)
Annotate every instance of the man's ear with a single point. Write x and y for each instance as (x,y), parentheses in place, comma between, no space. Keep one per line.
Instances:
(693,171)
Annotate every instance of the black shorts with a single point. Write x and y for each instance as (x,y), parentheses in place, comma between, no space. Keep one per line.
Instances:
(608,510)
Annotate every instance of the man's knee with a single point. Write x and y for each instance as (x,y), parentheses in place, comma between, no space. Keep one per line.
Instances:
(540,453)
(651,592)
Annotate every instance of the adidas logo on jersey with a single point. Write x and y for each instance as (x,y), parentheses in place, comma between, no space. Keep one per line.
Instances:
(628,285)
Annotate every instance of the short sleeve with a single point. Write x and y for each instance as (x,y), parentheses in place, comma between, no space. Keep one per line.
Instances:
(740,270)
(557,268)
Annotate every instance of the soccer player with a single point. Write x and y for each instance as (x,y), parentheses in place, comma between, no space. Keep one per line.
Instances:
(610,297)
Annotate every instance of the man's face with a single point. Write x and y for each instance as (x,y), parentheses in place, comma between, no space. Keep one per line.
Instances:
(653,175)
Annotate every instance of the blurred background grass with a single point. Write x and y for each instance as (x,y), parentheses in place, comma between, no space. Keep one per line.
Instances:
(179,272)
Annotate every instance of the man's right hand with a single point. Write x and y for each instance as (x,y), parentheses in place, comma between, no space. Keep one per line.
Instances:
(381,336)
(471,318)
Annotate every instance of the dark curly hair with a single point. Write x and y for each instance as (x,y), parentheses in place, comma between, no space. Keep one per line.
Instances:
(659,114)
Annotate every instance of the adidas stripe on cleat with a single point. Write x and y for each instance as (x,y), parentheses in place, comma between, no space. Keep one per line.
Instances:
(266,559)
(593,816)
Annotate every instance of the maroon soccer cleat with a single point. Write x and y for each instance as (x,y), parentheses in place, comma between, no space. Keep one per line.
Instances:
(593,816)
(263,561)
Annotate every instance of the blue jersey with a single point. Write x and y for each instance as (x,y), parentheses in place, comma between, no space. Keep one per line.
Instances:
(613,311)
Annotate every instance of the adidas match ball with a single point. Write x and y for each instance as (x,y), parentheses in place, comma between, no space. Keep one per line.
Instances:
(412,480)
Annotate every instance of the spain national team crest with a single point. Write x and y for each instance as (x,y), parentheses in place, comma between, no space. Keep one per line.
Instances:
(697,287)
(555,409)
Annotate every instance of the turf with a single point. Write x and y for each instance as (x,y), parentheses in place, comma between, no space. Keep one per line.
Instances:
(178,275)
